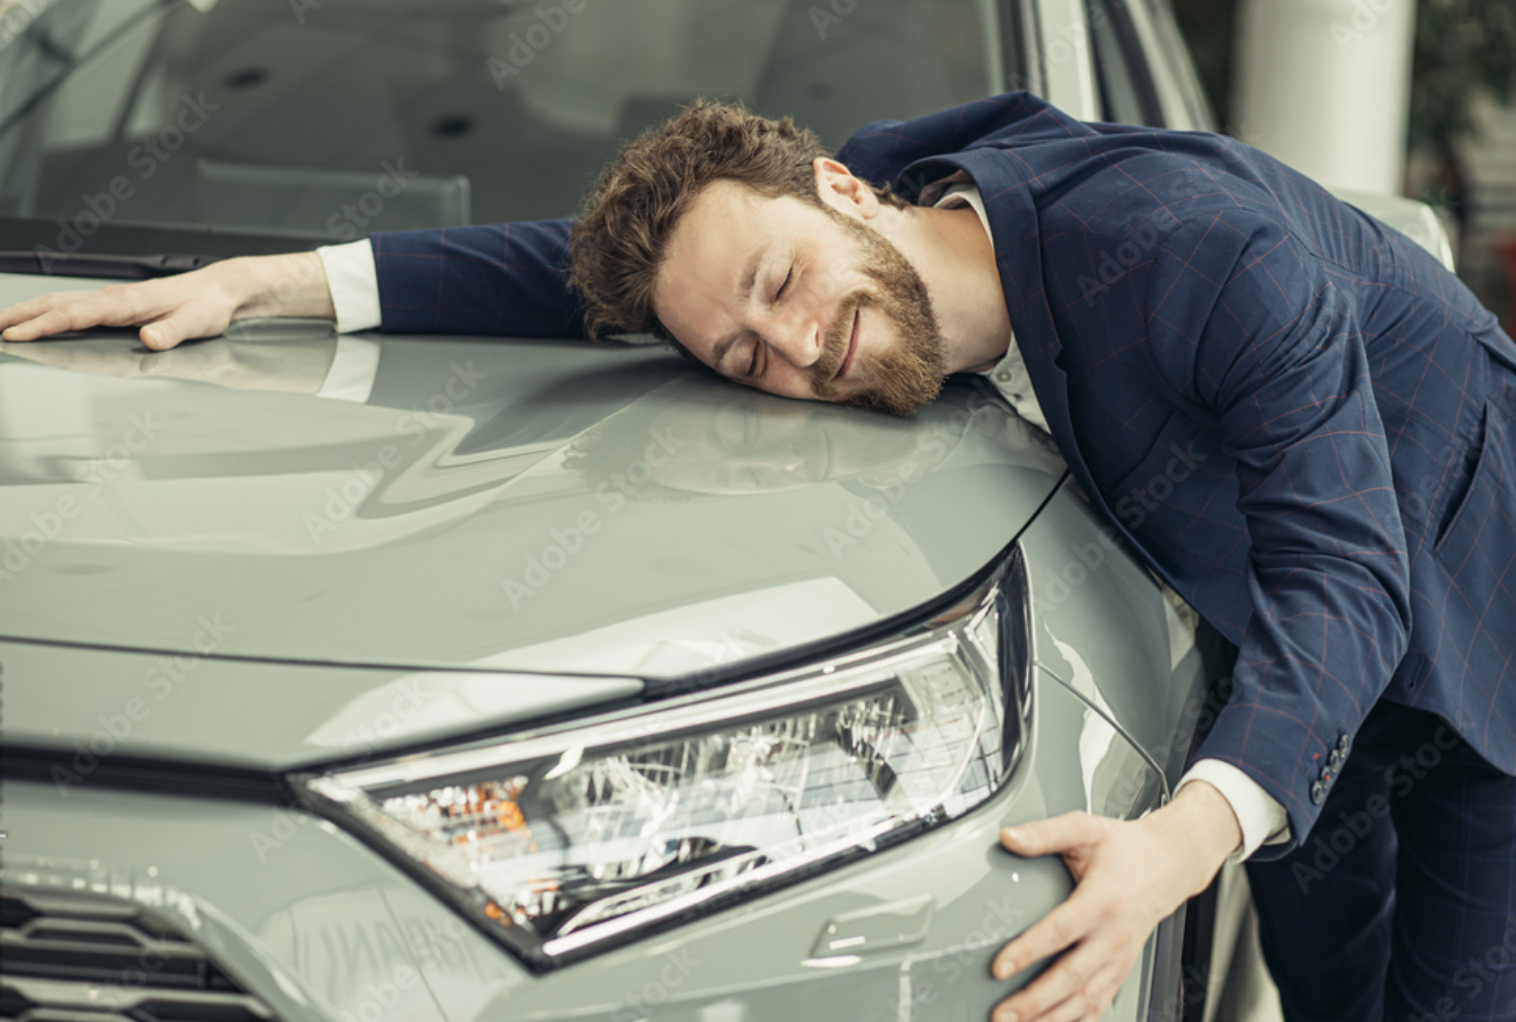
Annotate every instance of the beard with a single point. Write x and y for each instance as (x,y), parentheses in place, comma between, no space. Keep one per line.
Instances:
(907,375)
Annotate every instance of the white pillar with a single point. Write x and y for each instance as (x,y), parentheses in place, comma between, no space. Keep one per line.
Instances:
(1325,86)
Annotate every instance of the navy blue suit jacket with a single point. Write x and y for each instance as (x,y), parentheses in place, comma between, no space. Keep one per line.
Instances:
(1293,411)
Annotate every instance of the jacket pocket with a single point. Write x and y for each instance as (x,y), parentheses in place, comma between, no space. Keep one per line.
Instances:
(1473,496)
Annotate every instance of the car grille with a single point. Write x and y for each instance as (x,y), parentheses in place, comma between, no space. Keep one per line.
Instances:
(67,956)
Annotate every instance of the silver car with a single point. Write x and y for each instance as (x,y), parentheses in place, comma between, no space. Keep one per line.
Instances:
(409,677)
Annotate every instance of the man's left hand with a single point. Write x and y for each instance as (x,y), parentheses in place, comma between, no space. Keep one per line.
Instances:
(1129,876)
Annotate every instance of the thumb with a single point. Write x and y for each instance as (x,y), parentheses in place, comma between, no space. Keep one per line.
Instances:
(1053,836)
(182,324)
(162,335)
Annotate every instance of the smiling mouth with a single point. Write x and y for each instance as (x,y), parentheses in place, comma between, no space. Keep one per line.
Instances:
(852,346)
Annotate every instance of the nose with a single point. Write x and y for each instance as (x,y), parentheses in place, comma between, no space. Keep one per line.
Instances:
(797,335)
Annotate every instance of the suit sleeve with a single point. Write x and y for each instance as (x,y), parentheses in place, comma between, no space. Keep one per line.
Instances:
(1247,324)
(496,279)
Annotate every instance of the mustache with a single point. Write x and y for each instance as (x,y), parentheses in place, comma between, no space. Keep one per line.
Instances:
(834,347)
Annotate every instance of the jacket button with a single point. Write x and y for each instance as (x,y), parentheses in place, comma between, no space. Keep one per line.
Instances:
(1318,793)
(1334,759)
(1343,743)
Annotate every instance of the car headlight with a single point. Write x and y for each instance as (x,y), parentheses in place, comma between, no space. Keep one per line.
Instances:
(564,842)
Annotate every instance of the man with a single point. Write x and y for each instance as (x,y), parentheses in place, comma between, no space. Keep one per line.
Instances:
(1349,527)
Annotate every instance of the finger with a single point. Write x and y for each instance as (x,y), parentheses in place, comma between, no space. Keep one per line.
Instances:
(22,311)
(1053,836)
(44,324)
(162,336)
(65,313)
(14,320)
(182,324)
(1072,921)
(1049,1003)
(1079,985)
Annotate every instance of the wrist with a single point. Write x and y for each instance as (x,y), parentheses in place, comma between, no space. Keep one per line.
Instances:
(1201,822)
(293,284)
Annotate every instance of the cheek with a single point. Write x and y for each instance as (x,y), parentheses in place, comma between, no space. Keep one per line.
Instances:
(835,274)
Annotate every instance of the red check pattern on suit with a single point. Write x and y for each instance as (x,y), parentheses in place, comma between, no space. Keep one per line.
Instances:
(1351,521)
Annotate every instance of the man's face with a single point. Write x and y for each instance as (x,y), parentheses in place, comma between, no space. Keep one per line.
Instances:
(800,300)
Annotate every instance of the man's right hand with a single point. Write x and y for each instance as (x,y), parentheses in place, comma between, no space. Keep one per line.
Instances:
(182,307)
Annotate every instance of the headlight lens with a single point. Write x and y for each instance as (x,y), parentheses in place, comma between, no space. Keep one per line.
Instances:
(568,841)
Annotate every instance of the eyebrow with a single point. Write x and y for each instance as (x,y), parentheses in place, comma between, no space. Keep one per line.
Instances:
(744,293)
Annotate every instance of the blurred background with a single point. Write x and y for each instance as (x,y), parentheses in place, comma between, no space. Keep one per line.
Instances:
(1331,86)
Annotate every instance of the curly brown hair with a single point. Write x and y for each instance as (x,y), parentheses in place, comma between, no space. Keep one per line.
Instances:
(620,239)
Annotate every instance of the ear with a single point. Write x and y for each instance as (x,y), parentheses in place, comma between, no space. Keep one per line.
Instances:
(844,192)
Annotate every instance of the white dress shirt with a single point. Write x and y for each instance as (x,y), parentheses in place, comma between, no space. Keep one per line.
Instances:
(354,285)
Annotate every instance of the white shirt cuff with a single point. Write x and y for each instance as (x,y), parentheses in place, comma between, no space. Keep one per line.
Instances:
(354,284)
(353,370)
(1262,819)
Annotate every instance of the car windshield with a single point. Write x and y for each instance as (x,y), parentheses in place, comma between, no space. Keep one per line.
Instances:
(329,119)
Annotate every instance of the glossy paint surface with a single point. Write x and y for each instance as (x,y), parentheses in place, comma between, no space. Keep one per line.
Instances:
(192,710)
(320,926)
(493,505)
(228,570)
(1104,628)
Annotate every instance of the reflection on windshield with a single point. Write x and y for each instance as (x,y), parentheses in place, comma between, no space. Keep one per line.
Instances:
(336,118)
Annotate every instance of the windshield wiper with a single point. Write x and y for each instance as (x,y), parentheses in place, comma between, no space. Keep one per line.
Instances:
(117,267)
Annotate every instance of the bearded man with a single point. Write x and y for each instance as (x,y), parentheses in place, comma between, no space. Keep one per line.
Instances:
(1135,292)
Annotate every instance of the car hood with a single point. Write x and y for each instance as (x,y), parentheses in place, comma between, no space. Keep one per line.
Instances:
(431,503)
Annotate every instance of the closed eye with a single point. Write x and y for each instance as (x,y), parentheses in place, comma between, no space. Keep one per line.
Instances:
(752,371)
(752,366)
(785,286)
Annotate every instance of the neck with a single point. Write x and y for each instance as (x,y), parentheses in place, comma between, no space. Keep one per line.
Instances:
(953,254)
